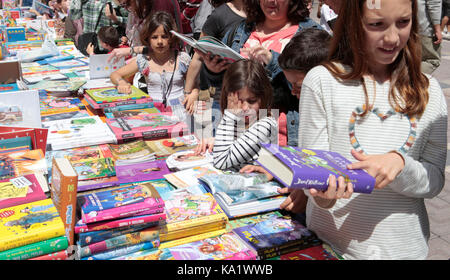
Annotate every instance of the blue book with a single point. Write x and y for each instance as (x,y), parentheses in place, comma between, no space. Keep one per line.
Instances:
(16,142)
(55,59)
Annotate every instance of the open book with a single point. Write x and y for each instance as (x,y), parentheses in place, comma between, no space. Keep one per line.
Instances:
(210,44)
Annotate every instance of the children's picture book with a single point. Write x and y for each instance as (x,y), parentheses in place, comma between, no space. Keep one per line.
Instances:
(145,102)
(251,219)
(244,193)
(276,236)
(162,186)
(119,203)
(72,133)
(63,88)
(66,115)
(136,106)
(38,135)
(129,113)
(35,249)
(168,146)
(42,9)
(29,223)
(210,44)
(149,127)
(64,194)
(20,109)
(110,94)
(151,254)
(131,152)
(297,167)
(99,67)
(117,252)
(14,34)
(189,177)
(99,183)
(87,238)
(188,159)
(227,246)
(143,171)
(21,162)
(54,105)
(20,190)
(39,69)
(16,142)
(313,253)
(94,168)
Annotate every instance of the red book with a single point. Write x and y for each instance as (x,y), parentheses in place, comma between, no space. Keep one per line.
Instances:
(38,135)
(34,192)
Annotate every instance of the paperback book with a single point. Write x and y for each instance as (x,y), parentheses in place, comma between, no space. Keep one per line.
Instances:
(64,88)
(129,113)
(187,159)
(166,147)
(131,152)
(38,135)
(296,167)
(110,94)
(21,162)
(55,105)
(20,190)
(105,106)
(117,252)
(35,249)
(94,169)
(140,172)
(189,177)
(66,115)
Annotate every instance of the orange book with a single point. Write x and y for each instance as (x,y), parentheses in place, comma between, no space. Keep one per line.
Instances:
(64,193)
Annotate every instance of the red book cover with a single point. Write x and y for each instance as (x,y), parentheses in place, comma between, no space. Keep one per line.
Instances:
(312,253)
(9,187)
(38,135)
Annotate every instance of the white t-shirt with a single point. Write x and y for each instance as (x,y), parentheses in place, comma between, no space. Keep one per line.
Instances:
(326,14)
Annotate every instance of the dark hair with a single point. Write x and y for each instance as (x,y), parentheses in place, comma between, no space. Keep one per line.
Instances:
(109,35)
(247,74)
(217,3)
(407,79)
(157,19)
(297,11)
(142,8)
(305,50)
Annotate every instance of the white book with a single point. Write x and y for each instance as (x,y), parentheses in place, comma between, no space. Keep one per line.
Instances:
(99,67)
(20,108)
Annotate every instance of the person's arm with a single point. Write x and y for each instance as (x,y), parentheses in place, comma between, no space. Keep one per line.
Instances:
(434,10)
(118,53)
(120,76)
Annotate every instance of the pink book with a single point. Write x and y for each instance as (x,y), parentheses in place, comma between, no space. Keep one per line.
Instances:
(144,171)
(98,106)
(11,187)
(122,202)
(158,219)
(147,126)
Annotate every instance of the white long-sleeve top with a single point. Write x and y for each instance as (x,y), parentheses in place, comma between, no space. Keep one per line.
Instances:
(234,146)
(391,223)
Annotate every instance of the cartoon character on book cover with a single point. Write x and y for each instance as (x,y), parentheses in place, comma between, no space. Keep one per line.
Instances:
(97,168)
(185,206)
(152,121)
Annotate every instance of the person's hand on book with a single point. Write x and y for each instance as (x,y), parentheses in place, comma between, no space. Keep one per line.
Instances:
(258,53)
(337,189)
(256,168)
(189,101)
(296,200)
(214,63)
(206,144)
(384,167)
(124,87)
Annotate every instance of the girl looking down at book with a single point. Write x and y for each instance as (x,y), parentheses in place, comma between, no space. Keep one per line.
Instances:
(372,104)
(246,122)
(164,68)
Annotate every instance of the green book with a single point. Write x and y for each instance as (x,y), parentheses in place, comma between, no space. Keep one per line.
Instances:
(36,249)
(110,94)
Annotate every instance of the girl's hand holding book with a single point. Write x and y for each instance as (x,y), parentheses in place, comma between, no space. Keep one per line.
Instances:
(337,189)
(214,63)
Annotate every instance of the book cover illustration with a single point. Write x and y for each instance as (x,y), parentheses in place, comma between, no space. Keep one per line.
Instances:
(111,106)
(117,252)
(59,88)
(150,126)
(224,247)
(20,190)
(151,254)
(29,223)
(131,152)
(188,159)
(10,115)
(162,186)
(250,220)
(14,164)
(166,147)
(129,113)
(65,115)
(98,183)
(111,94)
(144,171)
(86,238)
(95,168)
(9,87)
(272,235)
(310,168)
(52,104)
(38,135)
(189,177)
(38,69)
(20,109)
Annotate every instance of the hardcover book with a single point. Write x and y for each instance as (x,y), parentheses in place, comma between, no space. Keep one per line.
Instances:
(110,94)
(64,194)
(144,171)
(149,127)
(296,167)
(20,190)
(227,246)
(119,203)
(29,223)
(276,236)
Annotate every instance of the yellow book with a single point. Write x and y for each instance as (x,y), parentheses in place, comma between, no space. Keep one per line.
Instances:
(29,223)
(192,238)
(168,236)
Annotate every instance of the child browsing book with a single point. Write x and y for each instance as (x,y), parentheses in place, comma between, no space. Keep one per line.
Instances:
(164,68)
(372,104)
(246,99)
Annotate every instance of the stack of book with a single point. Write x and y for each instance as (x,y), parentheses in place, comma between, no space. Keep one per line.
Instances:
(163,148)
(20,161)
(119,221)
(51,105)
(31,230)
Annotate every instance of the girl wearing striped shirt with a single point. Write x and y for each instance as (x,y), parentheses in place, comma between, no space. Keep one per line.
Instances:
(246,99)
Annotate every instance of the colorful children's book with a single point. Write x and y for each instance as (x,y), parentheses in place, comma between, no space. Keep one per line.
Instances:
(100,183)
(106,95)
(67,115)
(117,252)
(64,88)
(251,219)
(20,109)
(35,249)
(126,107)
(313,253)
(144,171)
(128,239)
(20,190)
(276,236)
(129,113)
(21,162)
(16,142)
(151,254)
(38,135)
(54,105)
(162,186)
(94,169)
(56,256)
(131,152)
(123,202)
(149,127)
(296,167)
(228,246)
(9,87)
(187,159)
(29,223)
(99,67)
(145,102)
(64,193)
(189,177)
(166,147)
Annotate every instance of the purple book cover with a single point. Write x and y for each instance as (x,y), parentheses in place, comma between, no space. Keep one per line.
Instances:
(140,172)
(98,183)
(311,168)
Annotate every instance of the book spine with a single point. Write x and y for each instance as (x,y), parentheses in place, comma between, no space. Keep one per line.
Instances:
(45,234)
(61,255)
(122,213)
(170,236)
(200,221)
(158,218)
(128,239)
(86,238)
(35,249)
(192,238)
(117,252)
(243,255)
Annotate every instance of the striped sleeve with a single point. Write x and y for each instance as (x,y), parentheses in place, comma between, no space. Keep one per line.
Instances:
(235,147)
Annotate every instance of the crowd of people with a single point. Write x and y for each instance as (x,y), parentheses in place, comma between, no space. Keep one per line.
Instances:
(358,82)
